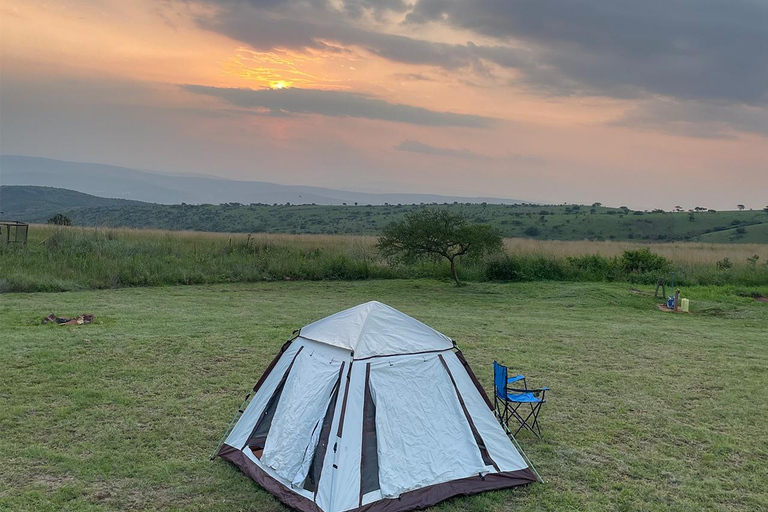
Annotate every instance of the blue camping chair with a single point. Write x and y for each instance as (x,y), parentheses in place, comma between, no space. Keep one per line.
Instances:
(507,401)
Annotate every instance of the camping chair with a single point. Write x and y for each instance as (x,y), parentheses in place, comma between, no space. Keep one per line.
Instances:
(507,401)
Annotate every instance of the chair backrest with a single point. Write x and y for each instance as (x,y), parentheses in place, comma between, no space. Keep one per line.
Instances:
(500,380)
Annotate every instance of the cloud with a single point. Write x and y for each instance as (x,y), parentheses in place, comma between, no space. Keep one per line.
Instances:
(266,30)
(337,104)
(414,77)
(415,146)
(701,57)
(378,9)
(696,118)
(687,49)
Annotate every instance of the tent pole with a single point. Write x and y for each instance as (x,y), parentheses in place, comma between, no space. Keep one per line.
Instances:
(229,427)
(522,452)
(527,460)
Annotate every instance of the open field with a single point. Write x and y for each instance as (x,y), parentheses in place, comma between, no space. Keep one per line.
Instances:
(678,252)
(63,259)
(648,410)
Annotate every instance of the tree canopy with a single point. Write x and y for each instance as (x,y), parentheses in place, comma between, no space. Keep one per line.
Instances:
(60,220)
(437,233)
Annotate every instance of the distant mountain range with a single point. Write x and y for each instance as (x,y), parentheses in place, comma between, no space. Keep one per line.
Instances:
(124,183)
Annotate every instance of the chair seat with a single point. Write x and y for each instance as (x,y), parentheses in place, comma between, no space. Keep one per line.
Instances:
(523,398)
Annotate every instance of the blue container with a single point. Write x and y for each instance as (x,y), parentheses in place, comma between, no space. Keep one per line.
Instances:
(671,302)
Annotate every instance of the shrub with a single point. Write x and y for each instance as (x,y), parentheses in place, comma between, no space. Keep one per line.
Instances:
(724,264)
(504,269)
(532,231)
(641,261)
(60,220)
(594,267)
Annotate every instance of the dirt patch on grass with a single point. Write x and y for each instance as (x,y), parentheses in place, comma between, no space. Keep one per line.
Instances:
(755,295)
(663,307)
(51,481)
(130,494)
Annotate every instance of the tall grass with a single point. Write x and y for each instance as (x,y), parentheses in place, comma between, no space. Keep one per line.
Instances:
(60,259)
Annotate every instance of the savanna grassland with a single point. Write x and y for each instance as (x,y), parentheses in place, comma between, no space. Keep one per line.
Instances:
(534,221)
(74,258)
(647,410)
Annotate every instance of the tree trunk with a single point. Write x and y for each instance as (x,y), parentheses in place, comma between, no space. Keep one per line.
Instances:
(453,271)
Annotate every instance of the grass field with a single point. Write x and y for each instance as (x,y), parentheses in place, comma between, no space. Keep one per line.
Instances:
(648,410)
(66,259)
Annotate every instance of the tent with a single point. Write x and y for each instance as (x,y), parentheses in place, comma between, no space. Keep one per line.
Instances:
(372,410)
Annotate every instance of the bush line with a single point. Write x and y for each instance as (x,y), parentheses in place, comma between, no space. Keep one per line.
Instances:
(79,259)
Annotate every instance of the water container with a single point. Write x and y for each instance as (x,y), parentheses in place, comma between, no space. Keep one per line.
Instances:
(671,302)
(685,304)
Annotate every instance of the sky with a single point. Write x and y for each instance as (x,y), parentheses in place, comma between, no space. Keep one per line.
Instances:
(648,104)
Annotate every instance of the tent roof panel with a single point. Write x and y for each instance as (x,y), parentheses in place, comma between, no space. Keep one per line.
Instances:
(375,329)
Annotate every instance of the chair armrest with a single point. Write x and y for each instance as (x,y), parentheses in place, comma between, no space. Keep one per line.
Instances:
(510,380)
(534,391)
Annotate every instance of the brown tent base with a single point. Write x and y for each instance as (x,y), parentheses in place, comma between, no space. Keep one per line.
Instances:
(413,500)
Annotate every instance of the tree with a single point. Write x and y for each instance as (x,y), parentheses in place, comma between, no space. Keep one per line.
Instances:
(60,220)
(740,206)
(435,234)
(532,231)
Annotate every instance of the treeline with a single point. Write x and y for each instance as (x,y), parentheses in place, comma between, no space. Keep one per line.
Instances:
(530,221)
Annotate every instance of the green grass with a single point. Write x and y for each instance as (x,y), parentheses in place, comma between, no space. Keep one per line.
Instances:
(745,235)
(647,410)
(65,259)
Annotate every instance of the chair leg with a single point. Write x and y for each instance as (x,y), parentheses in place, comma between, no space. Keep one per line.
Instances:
(535,412)
(524,422)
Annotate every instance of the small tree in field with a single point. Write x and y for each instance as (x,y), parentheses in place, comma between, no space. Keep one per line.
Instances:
(60,220)
(435,234)
(740,206)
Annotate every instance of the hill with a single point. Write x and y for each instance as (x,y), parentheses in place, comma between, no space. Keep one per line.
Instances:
(111,181)
(37,204)
(544,222)
(756,234)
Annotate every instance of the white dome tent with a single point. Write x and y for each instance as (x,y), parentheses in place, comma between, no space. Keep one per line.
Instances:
(371,410)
